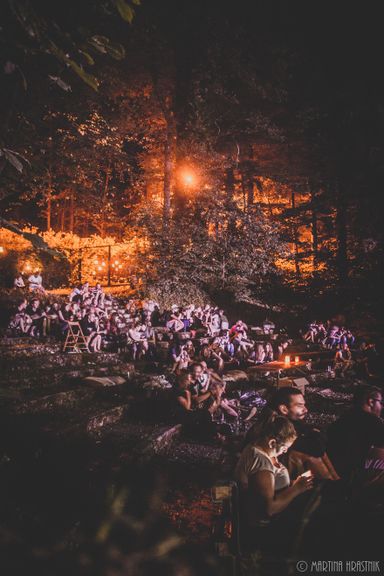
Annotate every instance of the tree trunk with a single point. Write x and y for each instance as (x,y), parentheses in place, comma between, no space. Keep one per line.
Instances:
(315,236)
(168,167)
(341,234)
(295,237)
(103,201)
(49,210)
(49,201)
(72,212)
(62,216)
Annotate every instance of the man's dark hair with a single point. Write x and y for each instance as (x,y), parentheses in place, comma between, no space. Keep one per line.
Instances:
(190,369)
(282,396)
(364,393)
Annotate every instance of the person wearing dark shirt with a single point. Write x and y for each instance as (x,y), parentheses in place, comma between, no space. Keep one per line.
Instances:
(351,437)
(39,319)
(308,450)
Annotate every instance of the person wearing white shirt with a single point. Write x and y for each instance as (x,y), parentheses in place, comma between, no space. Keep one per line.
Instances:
(36,281)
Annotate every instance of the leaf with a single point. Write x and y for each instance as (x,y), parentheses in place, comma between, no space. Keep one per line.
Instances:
(12,159)
(117,51)
(99,43)
(63,85)
(89,79)
(125,10)
(88,57)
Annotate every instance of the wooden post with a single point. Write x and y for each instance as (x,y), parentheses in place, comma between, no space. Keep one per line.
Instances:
(79,271)
(109,265)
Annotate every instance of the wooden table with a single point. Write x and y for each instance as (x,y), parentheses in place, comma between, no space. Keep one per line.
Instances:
(276,366)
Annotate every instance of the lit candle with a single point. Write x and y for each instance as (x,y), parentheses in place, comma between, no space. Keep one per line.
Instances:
(287,360)
(297,359)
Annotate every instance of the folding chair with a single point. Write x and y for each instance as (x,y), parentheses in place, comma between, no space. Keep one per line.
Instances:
(75,340)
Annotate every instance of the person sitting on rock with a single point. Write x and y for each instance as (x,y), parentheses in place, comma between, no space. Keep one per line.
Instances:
(343,359)
(35,281)
(257,355)
(19,281)
(21,322)
(175,323)
(196,422)
(140,343)
(308,450)
(39,318)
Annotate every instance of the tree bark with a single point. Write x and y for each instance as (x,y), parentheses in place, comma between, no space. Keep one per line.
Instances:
(315,235)
(103,201)
(168,166)
(295,237)
(72,212)
(341,234)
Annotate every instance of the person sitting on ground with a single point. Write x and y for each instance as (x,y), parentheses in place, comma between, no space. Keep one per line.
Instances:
(181,358)
(21,322)
(19,281)
(343,359)
(200,382)
(175,323)
(98,295)
(55,319)
(308,450)
(213,358)
(356,431)
(214,323)
(311,333)
(268,352)
(140,344)
(156,316)
(76,294)
(257,355)
(39,318)
(35,282)
(224,322)
(200,379)
(198,423)
(281,348)
(333,337)
(265,486)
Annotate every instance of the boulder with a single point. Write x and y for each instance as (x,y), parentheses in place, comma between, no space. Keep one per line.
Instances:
(104,381)
(157,382)
(233,376)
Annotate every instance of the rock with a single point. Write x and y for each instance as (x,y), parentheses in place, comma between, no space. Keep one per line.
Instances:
(106,418)
(235,376)
(157,382)
(104,381)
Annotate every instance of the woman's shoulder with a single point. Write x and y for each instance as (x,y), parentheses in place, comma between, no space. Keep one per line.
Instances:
(257,457)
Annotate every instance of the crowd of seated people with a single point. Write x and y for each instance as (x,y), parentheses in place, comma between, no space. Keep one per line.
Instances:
(188,333)
(349,352)
(329,335)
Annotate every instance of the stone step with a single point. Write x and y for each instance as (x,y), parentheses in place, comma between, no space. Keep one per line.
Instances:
(52,376)
(49,356)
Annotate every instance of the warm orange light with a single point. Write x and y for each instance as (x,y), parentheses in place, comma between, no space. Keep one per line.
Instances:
(297,359)
(188,177)
(1,249)
(287,360)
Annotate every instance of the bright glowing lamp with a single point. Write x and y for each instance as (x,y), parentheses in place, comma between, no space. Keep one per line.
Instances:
(188,177)
(287,360)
